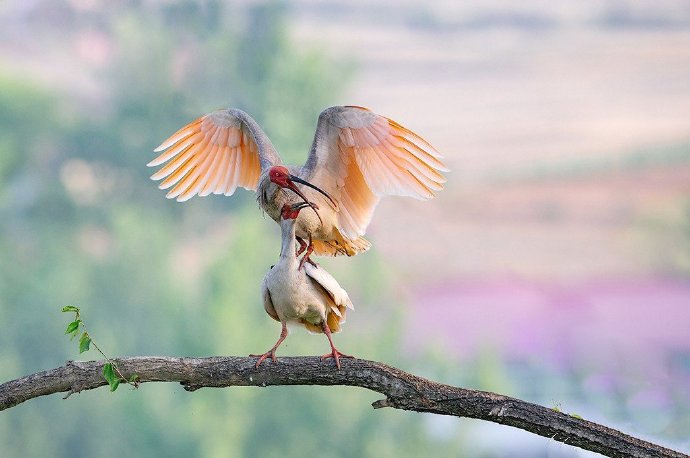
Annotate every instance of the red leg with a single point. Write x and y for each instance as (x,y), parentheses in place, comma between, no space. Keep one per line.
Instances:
(302,245)
(335,353)
(272,351)
(310,249)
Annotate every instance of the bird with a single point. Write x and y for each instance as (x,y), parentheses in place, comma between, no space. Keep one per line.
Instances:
(356,157)
(310,297)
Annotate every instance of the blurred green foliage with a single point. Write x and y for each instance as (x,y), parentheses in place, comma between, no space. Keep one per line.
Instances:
(81,223)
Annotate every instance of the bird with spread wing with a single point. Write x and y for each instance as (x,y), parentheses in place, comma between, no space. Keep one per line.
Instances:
(357,157)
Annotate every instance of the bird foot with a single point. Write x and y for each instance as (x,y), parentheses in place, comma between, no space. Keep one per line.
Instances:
(272,351)
(309,250)
(262,357)
(302,246)
(306,259)
(335,354)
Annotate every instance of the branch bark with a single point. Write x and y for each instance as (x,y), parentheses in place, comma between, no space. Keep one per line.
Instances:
(402,390)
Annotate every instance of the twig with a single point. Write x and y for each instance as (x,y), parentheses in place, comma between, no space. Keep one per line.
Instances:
(79,325)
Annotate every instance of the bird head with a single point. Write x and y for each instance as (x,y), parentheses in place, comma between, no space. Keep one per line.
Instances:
(291,211)
(281,176)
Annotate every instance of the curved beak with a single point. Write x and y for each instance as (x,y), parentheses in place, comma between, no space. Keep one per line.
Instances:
(306,202)
(306,183)
(300,205)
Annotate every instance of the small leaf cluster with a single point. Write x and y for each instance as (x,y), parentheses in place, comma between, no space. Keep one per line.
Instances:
(111,372)
(114,377)
(73,329)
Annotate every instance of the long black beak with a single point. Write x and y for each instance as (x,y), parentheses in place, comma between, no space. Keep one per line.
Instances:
(306,183)
(300,205)
(305,202)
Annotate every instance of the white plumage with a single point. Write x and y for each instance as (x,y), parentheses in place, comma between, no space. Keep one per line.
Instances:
(309,296)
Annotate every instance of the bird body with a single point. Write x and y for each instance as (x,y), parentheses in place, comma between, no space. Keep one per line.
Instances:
(356,158)
(306,296)
(309,297)
(322,228)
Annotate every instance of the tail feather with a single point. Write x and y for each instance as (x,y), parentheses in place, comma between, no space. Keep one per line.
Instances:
(335,318)
(313,328)
(342,247)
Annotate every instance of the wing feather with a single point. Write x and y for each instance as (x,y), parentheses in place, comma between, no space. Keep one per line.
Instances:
(358,157)
(216,184)
(192,184)
(176,148)
(176,164)
(216,153)
(179,135)
(329,284)
(197,153)
(413,161)
(230,184)
(213,172)
(268,302)
(238,167)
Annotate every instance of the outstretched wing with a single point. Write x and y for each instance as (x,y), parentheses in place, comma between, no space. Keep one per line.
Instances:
(358,156)
(216,153)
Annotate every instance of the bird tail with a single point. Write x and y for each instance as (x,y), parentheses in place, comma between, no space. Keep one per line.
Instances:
(335,318)
(341,246)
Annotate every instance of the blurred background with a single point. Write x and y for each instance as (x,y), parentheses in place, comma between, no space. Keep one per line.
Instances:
(554,267)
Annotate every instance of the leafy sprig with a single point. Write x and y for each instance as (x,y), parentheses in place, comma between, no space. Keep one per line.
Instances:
(111,372)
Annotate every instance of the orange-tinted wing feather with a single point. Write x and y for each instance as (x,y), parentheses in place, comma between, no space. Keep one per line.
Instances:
(216,153)
(359,156)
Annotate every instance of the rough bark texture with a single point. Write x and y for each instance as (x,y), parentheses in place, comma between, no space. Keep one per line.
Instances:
(402,390)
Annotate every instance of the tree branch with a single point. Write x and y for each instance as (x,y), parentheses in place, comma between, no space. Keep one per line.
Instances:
(402,390)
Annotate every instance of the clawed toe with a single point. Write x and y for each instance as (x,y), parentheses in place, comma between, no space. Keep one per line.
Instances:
(335,354)
(263,356)
(306,259)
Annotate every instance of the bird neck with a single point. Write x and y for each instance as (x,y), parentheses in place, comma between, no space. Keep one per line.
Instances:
(287,249)
(265,191)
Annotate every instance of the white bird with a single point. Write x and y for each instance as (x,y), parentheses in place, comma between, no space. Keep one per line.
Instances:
(356,158)
(310,297)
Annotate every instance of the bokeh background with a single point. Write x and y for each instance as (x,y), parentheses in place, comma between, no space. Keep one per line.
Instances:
(554,267)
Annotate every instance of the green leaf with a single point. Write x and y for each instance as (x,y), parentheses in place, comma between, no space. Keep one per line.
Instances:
(84,342)
(114,385)
(70,308)
(73,327)
(109,374)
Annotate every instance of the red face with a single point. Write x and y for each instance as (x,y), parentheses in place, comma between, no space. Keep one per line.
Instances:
(288,212)
(280,175)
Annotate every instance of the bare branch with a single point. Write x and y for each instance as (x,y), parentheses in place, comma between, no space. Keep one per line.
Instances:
(402,390)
